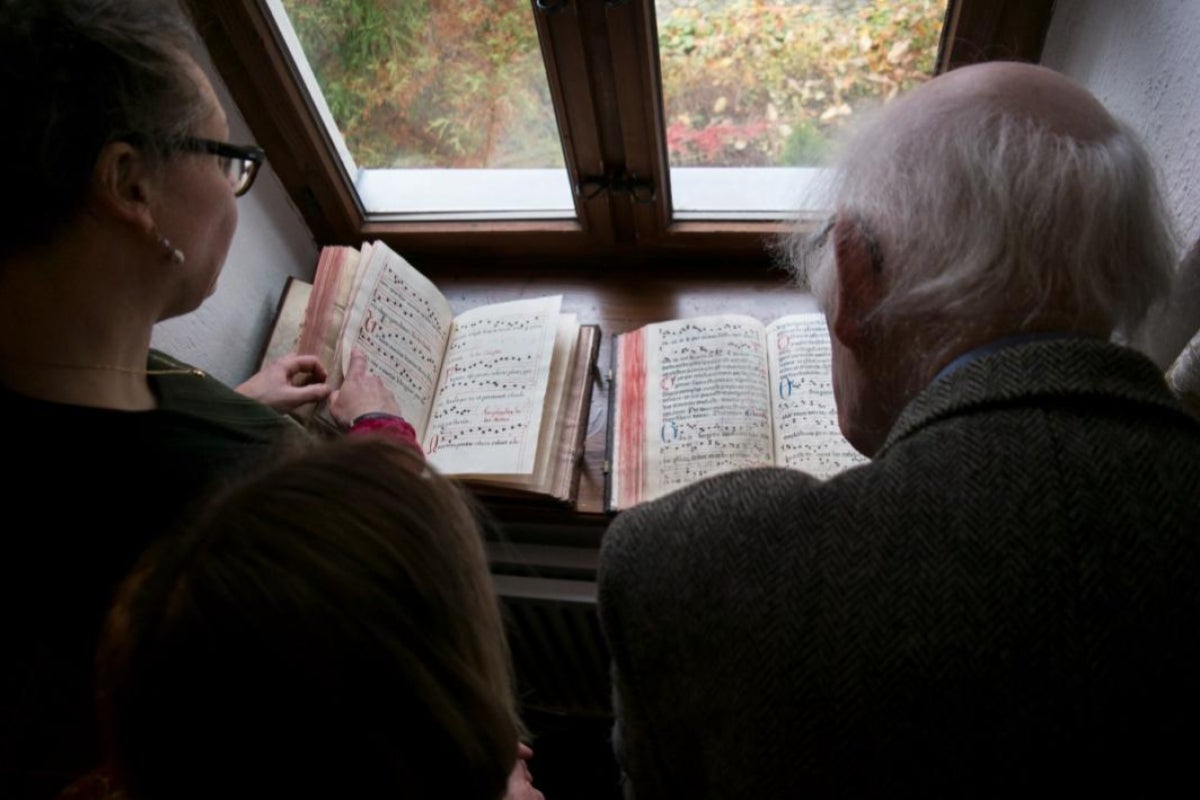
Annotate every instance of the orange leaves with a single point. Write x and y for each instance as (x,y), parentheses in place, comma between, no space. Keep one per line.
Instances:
(746,82)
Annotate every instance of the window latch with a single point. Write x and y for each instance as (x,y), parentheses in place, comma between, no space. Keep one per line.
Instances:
(641,191)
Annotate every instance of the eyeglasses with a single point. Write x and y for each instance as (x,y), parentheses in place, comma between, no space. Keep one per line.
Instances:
(240,164)
(813,246)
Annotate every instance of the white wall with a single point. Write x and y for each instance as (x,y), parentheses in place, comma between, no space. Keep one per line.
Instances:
(1142,61)
(226,334)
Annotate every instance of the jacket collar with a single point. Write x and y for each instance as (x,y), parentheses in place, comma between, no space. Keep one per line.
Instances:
(1025,373)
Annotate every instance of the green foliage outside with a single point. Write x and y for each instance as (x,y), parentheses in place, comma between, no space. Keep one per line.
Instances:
(445,83)
(431,83)
(758,83)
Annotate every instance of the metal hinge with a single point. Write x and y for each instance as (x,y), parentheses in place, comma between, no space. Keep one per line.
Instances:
(640,190)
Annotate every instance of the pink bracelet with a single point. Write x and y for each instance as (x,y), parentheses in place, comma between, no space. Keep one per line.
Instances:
(389,424)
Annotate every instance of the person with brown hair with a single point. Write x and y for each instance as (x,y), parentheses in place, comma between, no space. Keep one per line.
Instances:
(328,628)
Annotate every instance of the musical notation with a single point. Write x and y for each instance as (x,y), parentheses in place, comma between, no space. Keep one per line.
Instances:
(406,371)
(450,436)
(723,394)
(807,433)
(393,335)
(711,401)
(706,330)
(507,324)
(401,324)
(487,407)
(401,295)
(679,470)
(489,362)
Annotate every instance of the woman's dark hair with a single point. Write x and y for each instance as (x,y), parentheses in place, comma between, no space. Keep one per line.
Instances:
(75,75)
(328,628)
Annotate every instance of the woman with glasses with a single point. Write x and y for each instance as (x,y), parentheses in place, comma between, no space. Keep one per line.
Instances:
(119,205)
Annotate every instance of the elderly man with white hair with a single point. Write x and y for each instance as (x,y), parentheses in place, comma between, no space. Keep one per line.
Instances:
(1006,599)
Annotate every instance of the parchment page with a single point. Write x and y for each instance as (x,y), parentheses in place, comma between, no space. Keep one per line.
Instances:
(488,409)
(561,361)
(330,350)
(707,400)
(807,436)
(401,322)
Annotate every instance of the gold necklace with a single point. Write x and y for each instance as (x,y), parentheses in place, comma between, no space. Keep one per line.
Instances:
(198,373)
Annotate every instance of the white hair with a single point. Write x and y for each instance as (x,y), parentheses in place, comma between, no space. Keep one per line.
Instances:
(993,217)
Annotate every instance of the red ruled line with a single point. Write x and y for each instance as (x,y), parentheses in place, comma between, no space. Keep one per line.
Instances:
(631,399)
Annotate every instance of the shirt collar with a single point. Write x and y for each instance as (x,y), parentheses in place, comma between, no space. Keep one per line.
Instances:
(1002,343)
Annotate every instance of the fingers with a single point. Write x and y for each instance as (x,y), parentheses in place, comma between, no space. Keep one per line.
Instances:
(289,398)
(524,753)
(298,364)
(358,365)
(309,393)
(361,393)
(296,369)
(520,782)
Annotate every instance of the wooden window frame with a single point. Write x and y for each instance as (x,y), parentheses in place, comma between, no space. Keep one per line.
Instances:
(603,71)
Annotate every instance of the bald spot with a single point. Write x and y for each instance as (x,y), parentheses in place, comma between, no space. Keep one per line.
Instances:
(1021,90)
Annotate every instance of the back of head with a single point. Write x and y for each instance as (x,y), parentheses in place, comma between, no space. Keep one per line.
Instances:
(1003,196)
(74,75)
(328,628)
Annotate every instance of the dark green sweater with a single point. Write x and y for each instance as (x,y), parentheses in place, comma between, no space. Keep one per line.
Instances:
(86,490)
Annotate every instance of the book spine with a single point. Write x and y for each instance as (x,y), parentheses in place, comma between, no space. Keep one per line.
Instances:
(579,406)
(613,371)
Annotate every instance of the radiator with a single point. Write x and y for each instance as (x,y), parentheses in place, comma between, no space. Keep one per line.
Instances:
(558,652)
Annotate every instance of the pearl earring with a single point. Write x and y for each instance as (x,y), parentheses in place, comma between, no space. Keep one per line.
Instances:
(173,253)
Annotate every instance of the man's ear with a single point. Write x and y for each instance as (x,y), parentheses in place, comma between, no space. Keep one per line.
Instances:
(122,183)
(859,283)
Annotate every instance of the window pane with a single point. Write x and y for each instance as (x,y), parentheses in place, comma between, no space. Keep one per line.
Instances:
(420,85)
(754,84)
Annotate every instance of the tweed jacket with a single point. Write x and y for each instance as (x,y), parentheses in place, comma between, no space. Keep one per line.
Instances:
(1007,599)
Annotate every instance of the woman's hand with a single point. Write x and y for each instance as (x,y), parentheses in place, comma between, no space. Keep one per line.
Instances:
(520,780)
(288,383)
(361,393)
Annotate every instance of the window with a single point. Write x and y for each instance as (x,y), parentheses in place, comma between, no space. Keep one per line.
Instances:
(755,92)
(578,129)
(438,111)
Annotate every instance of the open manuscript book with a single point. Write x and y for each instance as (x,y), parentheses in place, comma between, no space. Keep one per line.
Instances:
(693,398)
(498,395)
